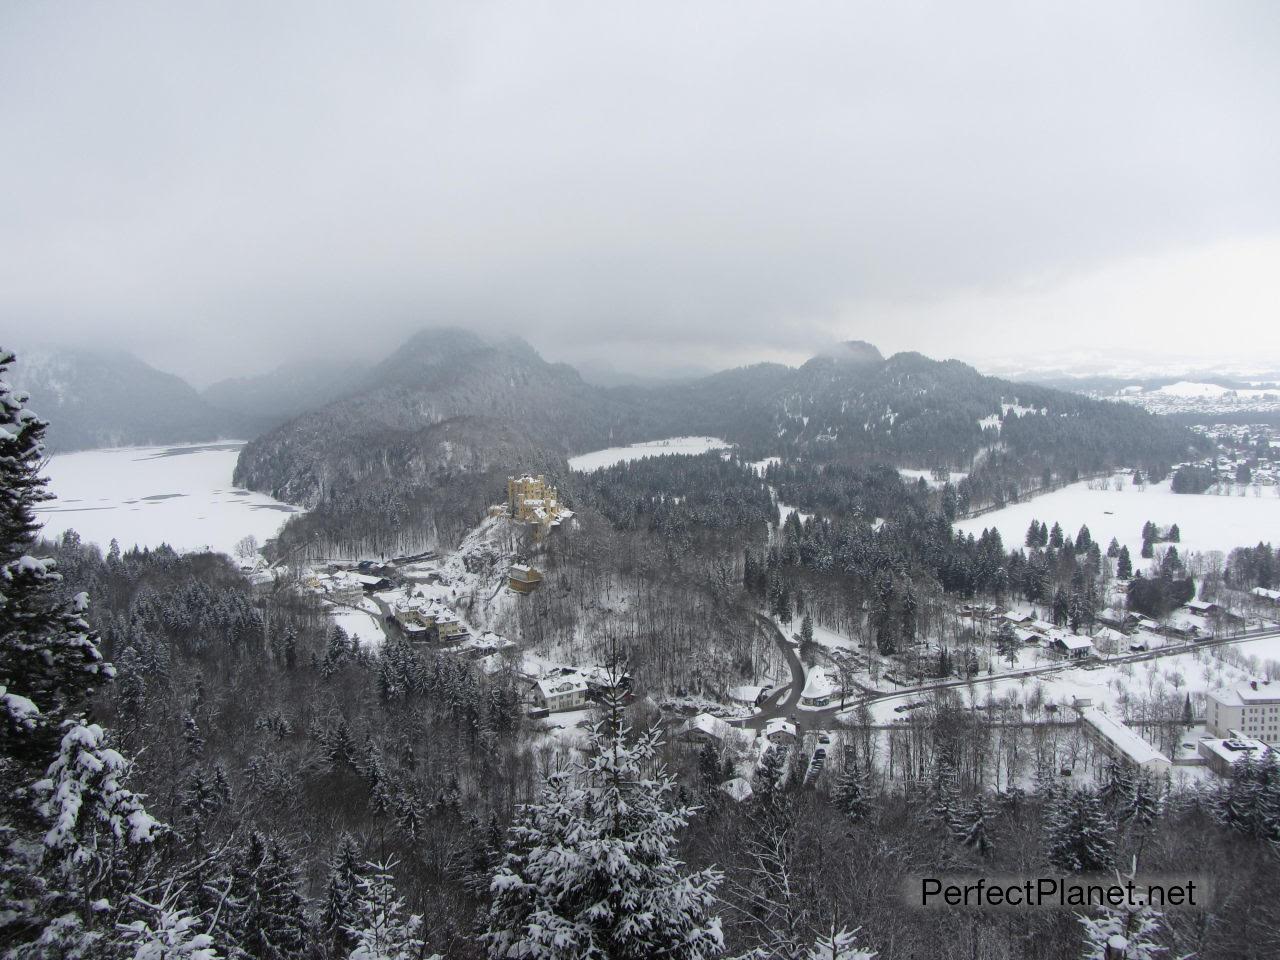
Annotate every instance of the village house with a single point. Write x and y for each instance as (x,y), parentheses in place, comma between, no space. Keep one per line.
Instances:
(1071,646)
(1120,743)
(819,691)
(748,696)
(423,619)
(370,583)
(780,732)
(570,688)
(707,728)
(1270,596)
(562,692)
(339,587)
(522,578)
(1249,709)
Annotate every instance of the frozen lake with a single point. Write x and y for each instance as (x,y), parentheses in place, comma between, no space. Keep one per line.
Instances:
(1206,522)
(145,496)
(652,448)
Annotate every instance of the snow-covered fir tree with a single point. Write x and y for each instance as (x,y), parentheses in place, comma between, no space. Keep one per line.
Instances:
(590,870)
(167,933)
(1078,836)
(1127,932)
(975,828)
(382,929)
(840,944)
(852,792)
(71,831)
(266,913)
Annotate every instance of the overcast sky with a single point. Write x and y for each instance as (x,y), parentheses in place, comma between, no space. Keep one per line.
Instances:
(219,185)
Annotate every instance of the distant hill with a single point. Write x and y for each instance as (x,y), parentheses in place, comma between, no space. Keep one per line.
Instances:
(100,398)
(449,413)
(269,399)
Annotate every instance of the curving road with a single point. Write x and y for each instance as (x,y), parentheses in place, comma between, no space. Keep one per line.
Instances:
(785,702)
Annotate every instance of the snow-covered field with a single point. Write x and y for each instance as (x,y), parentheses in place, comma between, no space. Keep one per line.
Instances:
(146,496)
(652,448)
(359,625)
(1206,522)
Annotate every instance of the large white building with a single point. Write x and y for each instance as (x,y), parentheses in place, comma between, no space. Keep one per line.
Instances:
(1250,709)
(1121,743)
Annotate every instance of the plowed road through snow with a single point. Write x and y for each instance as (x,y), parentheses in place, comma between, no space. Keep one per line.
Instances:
(786,702)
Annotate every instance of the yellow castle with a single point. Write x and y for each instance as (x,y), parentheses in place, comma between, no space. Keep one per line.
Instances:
(532,500)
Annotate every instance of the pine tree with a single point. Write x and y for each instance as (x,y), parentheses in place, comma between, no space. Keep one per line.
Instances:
(1142,806)
(1124,564)
(168,933)
(381,930)
(709,767)
(1113,548)
(1125,932)
(49,659)
(1118,786)
(93,819)
(1007,642)
(590,869)
(1078,837)
(840,944)
(806,629)
(268,918)
(851,792)
(975,831)
(339,912)
(946,798)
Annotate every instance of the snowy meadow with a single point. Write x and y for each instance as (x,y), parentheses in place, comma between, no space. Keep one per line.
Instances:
(1206,521)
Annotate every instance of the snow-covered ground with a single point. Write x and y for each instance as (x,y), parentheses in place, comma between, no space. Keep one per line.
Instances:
(785,511)
(1188,388)
(358,624)
(652,448)
(1206,522)
(145,496)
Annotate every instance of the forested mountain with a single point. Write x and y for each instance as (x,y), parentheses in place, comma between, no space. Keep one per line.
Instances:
(272,398)
(449,405)
(111,399)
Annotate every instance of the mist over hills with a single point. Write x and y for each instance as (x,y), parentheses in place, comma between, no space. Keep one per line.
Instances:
(100,398)
(450,404)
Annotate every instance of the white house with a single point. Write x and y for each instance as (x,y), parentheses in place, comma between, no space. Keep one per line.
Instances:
(566,690)
(1250,709)
(780,731)
(819,690)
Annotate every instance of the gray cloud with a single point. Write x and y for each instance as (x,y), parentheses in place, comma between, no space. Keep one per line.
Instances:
(218,184)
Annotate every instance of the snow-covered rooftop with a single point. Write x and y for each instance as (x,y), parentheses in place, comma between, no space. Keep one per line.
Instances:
(1253,692)
(1121,737)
